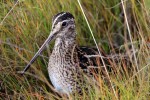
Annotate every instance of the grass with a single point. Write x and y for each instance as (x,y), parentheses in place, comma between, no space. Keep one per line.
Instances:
(28,24)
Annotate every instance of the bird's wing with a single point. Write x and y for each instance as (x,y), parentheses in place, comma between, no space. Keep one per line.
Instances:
(86,59)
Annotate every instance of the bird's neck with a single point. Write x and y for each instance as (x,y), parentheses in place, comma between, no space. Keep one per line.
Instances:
(64,45)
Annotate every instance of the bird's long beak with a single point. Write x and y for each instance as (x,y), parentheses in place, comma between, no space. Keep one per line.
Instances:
(50,37)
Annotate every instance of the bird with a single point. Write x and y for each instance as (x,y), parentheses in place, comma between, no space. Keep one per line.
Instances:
(67,61)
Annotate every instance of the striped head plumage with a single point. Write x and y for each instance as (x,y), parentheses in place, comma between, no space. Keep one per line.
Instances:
(63,25)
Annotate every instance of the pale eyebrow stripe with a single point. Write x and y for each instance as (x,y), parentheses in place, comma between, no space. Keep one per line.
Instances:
(57,18)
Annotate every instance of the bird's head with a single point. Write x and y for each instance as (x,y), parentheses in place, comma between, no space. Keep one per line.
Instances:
(63,26)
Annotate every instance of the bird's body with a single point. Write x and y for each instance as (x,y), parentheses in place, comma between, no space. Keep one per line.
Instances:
(67,64)
(67,61)
(62,66)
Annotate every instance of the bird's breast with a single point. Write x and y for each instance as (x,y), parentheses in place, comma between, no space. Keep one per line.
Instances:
(60,73)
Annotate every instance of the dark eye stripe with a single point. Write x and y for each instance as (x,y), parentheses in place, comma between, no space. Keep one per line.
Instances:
(62,16)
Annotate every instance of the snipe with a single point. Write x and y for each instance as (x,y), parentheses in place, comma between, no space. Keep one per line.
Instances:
(67,60)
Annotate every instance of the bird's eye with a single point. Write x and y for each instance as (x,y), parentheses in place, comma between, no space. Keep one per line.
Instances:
(64,24)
